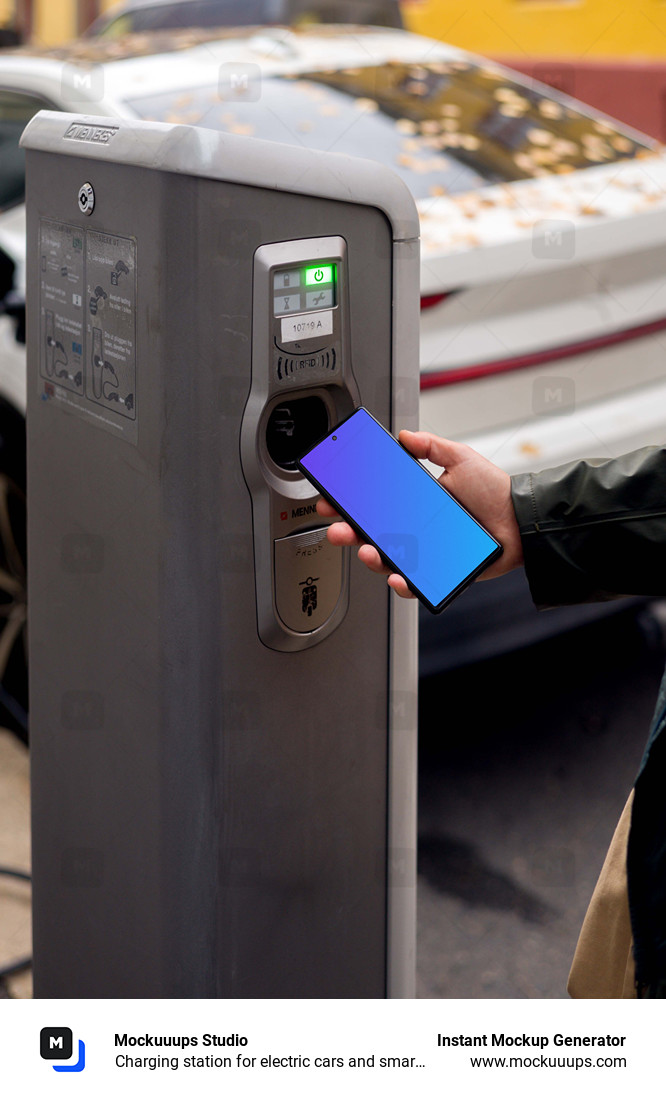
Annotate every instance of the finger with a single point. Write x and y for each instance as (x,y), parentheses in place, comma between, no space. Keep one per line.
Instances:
(326,510)
(369,556)
(443,452)
(341,534)
(399,585)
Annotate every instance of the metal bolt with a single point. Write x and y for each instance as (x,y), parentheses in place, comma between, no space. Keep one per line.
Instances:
(86,199)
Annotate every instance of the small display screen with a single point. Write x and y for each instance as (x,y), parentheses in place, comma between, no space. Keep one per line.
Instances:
(304,289)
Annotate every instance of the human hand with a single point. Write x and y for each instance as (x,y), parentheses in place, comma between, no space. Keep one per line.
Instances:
(479,485)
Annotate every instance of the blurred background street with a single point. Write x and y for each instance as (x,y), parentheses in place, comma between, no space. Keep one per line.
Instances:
(525,766)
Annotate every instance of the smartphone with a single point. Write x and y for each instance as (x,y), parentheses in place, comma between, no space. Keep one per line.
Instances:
(393,502)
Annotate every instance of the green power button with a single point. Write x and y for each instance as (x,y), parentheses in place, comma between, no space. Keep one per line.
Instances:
(319,276)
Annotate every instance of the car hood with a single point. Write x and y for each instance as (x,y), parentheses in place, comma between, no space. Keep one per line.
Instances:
(468,239)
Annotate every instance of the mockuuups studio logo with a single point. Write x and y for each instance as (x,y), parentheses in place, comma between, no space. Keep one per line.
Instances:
(56,1043)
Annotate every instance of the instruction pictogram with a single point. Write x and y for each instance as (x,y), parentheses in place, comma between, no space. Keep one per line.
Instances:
(88,322)
(309,595)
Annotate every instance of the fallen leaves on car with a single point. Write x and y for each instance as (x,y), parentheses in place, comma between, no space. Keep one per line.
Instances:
(540,137)
(550,109)
(511,110)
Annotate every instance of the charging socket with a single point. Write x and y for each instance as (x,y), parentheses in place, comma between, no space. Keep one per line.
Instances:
(293,427)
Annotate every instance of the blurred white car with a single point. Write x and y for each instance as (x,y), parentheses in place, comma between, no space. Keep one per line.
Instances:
(543,281)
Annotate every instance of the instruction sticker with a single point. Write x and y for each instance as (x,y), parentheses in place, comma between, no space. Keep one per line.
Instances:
(88,323)
(62,288)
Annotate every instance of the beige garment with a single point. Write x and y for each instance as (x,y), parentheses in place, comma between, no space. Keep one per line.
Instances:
(603,965)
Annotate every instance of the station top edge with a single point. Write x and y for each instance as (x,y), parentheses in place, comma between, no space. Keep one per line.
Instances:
(195,151)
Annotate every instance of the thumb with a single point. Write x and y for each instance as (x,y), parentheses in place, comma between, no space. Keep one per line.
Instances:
(443,452)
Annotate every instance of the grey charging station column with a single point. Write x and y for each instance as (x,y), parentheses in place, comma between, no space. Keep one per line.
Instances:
(223,705)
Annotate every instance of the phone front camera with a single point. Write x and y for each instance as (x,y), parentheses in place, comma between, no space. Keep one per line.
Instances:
(334,438)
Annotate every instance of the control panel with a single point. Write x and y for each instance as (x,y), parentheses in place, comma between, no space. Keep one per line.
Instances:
(302,383)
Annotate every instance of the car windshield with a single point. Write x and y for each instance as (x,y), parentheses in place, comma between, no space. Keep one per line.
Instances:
(445,126)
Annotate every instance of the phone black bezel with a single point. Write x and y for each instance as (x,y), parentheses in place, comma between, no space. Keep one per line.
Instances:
(469,579)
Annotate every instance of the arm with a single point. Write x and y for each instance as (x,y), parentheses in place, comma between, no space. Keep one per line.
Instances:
(588,530)
(594,529)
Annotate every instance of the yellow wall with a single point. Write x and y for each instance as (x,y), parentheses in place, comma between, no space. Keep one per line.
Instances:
(53,21)
(572,29)
(6,12)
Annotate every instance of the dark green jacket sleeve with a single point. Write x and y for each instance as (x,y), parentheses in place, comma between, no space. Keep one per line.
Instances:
(594,529)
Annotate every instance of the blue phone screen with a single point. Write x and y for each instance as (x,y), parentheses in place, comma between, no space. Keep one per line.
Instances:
(402,509)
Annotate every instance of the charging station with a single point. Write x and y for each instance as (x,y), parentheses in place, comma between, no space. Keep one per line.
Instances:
(222,704)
